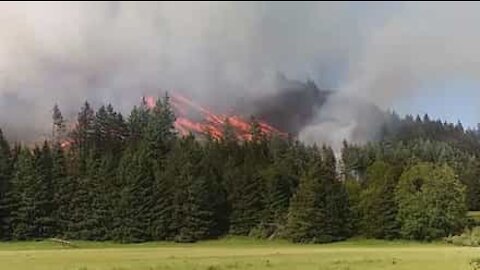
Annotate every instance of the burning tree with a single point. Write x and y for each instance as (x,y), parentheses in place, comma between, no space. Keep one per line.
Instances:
(210,123)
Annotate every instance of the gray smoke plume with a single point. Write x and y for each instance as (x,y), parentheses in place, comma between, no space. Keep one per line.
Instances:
(223,53)
(416,45)
(217,53)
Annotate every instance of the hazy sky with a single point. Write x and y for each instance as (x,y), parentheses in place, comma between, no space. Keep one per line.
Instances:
(450,100)
(422,57)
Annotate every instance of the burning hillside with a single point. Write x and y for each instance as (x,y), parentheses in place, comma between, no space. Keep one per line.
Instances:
(194,118)
(287,111)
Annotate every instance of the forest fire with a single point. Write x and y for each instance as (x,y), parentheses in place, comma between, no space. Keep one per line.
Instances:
(194,118)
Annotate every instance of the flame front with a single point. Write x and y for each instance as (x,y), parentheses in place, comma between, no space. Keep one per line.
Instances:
(211,123)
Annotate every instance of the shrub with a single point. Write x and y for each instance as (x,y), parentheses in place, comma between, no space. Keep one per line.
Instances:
(470,237)
(431,202)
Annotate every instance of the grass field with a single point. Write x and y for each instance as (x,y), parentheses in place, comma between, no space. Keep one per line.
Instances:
(236,254)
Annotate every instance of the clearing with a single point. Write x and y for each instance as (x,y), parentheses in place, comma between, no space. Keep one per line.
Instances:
(236,253)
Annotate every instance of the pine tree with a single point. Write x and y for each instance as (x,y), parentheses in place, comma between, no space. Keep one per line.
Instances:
(212,166)
(160,132)
(110,135)
(278,189)
(378,202)
(159,139)
(64,191)
(110,131)
(281,178)
(44,221)
(245,185)
(82,222)
(245,196)
(59,130)
(137,122)
(335,199)
(319,209)
(306,213)
(96,218)
(5,186)
(83,138)
(197,194)
(23,208)
(83,165)
(202,222)
(133,217)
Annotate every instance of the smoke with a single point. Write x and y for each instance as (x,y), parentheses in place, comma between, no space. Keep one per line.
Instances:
(344,118)
(420,44)
(291,108)
(217,53)
(222,54)
(415,46)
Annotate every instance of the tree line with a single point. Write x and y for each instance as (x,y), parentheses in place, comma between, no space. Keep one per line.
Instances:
(135,179)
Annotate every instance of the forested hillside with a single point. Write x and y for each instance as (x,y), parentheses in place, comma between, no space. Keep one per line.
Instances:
(134,179)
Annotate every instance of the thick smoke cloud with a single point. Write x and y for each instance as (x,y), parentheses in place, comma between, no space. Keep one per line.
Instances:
(416,45)
(344,117)
(222,53)
(217,53)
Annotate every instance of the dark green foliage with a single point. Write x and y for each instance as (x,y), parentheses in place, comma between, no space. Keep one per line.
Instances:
(319,210)
(136,180)
(81,219)
(160,132)
(23,196)
(5,185)
(64,191)
(278,189)
(110,134)
(245,185)
(44,221)
(143,203)
(137,122)
(132,217)
(212,169)
(335,199)
(83,137)
(195,192)
(59,129)
(110,130)
(431,202)
(377,204)
(306,212)
(354,191)
(162,209)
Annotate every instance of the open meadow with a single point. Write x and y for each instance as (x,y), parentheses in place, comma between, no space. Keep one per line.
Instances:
(235,253)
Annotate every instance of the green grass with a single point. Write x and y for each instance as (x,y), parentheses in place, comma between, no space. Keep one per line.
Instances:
(236,253)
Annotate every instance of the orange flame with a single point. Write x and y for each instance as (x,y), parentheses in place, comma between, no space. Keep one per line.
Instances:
(211,123)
